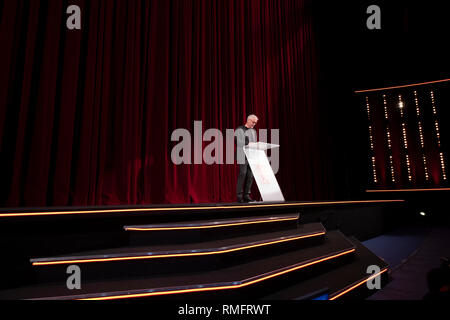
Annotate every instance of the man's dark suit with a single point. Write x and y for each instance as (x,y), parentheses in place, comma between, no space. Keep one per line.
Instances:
(243,136)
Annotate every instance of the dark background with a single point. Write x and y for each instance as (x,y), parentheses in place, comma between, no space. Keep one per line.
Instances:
(86,116)
(409,48)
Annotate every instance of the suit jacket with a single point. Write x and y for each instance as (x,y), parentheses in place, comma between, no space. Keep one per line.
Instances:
(243,136)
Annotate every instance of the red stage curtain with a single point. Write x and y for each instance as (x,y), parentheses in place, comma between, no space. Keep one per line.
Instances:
(86,116)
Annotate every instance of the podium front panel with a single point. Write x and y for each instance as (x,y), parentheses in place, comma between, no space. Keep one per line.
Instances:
(264,176)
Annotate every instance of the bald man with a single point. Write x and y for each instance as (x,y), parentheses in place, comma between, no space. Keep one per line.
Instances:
(244,135)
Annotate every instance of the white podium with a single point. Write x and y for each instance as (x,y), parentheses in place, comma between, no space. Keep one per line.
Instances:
(262,171)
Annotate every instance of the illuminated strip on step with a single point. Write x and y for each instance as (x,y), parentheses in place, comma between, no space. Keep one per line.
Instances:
(122,211)
(237,286)
(402,190)
(357,285)
(208,226)
(176,255)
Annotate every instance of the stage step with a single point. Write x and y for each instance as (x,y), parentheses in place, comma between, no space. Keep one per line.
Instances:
(157,259)
(343,282)
(217,223)
(201,230)
(243,279)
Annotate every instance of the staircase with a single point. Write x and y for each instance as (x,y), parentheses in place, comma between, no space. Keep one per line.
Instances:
(245,256)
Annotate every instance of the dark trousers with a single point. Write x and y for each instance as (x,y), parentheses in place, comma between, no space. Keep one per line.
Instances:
(244,181)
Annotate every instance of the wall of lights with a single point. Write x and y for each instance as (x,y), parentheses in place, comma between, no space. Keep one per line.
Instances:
(406,146)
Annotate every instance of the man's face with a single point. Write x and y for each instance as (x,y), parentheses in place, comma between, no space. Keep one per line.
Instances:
(251,122)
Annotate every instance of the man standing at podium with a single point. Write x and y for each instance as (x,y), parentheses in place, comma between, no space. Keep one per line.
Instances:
(244,135)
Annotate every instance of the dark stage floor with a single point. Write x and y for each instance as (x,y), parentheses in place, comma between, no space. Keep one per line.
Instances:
(411,252)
